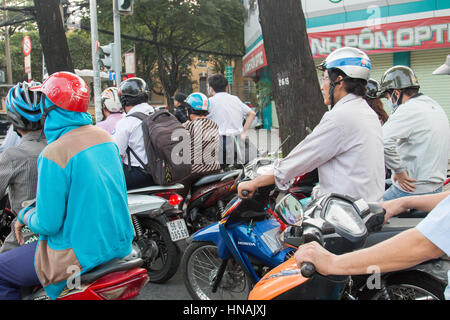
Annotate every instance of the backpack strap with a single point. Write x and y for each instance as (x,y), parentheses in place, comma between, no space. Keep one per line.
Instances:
(135,155)
(141,116)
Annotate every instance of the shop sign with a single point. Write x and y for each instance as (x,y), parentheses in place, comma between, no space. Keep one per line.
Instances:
(431,33)
(254,60)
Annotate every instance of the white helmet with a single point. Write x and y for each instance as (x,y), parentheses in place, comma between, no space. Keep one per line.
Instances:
(110,100)
(352,61)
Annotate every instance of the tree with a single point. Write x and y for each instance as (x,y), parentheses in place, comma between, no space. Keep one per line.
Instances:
(294,79)
(52,36)
(172,33)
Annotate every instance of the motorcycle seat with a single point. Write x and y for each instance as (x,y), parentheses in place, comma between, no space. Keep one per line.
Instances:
(305,190)
(129,262)
(216,177)
(394,227)
(156,189)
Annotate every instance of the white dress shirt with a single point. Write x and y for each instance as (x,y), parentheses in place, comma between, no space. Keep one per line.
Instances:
(128,132)
(417,139)
(346,147)
(227,111)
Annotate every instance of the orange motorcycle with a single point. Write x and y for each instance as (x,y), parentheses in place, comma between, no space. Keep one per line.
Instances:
(342,224)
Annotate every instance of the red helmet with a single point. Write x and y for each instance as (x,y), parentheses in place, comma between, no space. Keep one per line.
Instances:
(66,90)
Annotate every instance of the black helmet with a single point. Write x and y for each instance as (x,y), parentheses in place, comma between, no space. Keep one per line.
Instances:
(180,97)
(133,91)
(397,78)
(373,89)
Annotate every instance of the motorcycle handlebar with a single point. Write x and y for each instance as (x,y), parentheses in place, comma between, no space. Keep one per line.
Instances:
(307,269)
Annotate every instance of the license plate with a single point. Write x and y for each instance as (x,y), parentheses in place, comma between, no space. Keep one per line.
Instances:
(177,229)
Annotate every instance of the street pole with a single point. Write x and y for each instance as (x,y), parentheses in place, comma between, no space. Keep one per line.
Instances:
(7,51)
(117,56)
(95,63)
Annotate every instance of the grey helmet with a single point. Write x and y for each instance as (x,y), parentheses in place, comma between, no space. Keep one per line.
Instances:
(397,78)
(373,89)
(445,68)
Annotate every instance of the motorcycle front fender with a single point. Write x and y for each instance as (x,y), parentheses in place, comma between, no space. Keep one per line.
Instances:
(211,234)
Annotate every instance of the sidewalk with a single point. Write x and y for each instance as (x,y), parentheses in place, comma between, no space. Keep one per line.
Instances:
(265,140)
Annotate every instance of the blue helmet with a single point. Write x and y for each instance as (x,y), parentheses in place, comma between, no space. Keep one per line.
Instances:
(198,102)
(23,106)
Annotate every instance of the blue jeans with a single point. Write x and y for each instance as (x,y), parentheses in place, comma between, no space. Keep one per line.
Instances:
(17,270)
(393,193)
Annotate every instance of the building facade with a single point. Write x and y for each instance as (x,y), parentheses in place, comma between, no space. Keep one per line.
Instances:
(415,33)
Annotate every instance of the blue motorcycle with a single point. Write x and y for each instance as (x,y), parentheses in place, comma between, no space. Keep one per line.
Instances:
(226,259)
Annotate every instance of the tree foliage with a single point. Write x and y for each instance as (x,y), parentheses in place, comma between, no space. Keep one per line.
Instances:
(171,32)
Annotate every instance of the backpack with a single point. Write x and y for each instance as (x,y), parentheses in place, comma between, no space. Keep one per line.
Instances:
(158,129)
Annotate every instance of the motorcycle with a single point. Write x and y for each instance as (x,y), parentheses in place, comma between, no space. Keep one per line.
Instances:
(118,279)
(343,224)
(6,217)
(225,259)
(159,226)
(207,199)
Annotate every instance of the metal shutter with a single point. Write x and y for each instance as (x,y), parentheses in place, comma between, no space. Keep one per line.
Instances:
(424,62)
(380,63)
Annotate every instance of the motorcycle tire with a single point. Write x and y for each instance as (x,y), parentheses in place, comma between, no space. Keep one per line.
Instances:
(164,266)
(200,264)
(409,286)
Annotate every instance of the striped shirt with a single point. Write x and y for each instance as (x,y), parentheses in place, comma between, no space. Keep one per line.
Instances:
(18,169)
(204,145)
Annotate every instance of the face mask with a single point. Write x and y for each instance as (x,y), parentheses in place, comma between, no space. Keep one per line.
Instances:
(392,104)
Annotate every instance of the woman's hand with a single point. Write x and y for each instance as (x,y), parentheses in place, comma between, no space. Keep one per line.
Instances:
(18,231)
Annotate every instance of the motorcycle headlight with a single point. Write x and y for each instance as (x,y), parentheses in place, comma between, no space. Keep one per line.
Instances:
(344,216)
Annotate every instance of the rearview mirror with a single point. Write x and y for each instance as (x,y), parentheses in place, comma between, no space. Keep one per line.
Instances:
(289,210)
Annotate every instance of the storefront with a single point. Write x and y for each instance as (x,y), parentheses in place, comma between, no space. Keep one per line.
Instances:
(391,32)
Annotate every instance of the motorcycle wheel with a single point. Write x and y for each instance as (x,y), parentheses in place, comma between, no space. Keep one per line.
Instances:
(410,286)
(200,264)
(163,264)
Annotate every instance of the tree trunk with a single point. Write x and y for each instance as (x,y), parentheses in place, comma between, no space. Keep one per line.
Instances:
(52,36)
(295,85)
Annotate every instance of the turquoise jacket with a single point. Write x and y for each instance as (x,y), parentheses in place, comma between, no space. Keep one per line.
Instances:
(81,212)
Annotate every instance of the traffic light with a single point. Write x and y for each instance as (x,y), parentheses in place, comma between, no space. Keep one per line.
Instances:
(107,51)
(125,6)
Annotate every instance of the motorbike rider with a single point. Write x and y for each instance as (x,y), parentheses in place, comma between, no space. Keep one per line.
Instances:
(347,145)
(181,108)
(416,136)
(373,100)
(128,135)
(81,212)
(11,139)
(18,164)
(228,111)
(204,135)
(428,240)
(111,109)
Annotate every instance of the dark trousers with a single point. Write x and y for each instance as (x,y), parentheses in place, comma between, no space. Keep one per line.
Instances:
(17,270)
(227,142)
(136,177)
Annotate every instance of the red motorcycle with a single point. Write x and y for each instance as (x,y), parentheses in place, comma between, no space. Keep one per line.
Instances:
(119,279)
(303,185)
(208,197)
